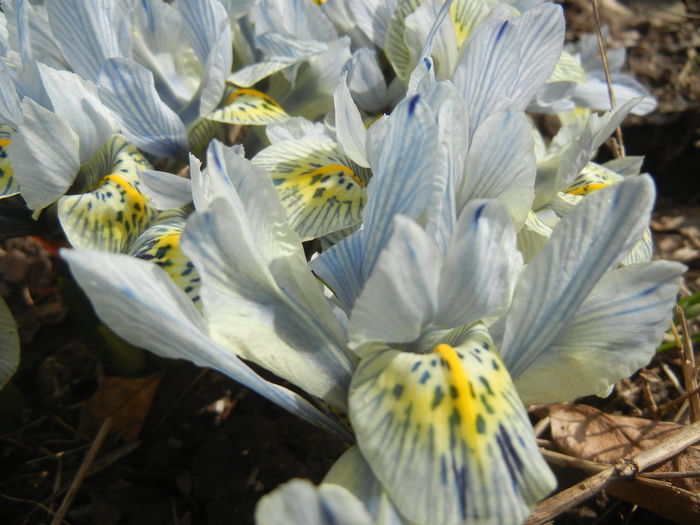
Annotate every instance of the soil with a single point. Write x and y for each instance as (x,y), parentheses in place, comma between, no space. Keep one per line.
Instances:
(209,448)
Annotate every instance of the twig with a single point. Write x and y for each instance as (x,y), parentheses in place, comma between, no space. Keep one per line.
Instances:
(541,426)
(564,460)
(619,149)
(82,472)
(627,468)
(32,502)
(688,367)
(664,475)
(680,399)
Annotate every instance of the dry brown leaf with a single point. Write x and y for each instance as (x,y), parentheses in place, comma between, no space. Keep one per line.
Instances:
(126,400)
(587,433)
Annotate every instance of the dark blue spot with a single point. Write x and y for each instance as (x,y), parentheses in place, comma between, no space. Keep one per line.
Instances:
(424,378)
(428,63)
(398,390)
(501,30)
(412,103)
(480,424)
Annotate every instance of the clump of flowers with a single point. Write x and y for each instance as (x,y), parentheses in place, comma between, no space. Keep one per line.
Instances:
(465,267)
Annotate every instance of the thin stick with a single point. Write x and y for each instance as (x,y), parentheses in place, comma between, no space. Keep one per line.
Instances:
(564,460)
(688,367)
(619,149)
(82,472)
(680,399)
(627,468)
(30,501)
(664,475)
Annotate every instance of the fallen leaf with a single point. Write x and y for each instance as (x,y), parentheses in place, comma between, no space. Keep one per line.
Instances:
(126,400)
(587,433)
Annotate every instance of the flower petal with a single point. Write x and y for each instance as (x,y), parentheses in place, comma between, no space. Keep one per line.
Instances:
(140,303)
(9,344)
(249,107)
(128,89)
(320,188)
(613,334)
(299,502)
(447,435)
(400,296)
(587,242)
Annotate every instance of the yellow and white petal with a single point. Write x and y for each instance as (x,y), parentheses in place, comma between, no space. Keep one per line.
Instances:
(395,46)
(466,15)
(321,189)
(160,244)
(568,69)
(8,184)
(108,218)
(593,177)
(116,211)
(249,107)
(447,434)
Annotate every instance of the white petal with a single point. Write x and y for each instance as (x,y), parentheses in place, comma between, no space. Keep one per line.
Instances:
(166,190)
(127,88)
(481,266)
(89,33)
(400,296)
(586,243)
(612,335)
(299,502)
(501,165)
(447,435)
(140,302)
(76,101)
(45,155)
(349,126)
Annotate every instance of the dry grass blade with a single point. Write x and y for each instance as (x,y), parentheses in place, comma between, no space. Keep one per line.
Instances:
(688,367)
(618,145)
(625,469)
(82,472)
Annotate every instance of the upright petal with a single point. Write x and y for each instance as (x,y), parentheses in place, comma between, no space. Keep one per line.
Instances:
(127,88)
(89,33)
(400,296)
(613,334)
(45,155)
(586,243)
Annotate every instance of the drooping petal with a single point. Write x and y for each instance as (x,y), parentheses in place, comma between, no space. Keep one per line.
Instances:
(160,244)
(8,184)
(128,89)
(299,502)
(447,435)
(321,189)
(141,303)
(481,267)
(400,297)
(249,107)
(587,242)
(45,155)
(116,212)
(613,334)
(248,312)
